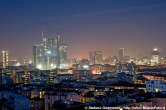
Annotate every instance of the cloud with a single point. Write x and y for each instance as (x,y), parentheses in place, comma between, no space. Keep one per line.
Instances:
(120,10)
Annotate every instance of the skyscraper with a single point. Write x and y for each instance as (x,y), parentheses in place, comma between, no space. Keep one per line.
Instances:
(50,53)
(96,57)
(91,58)
(63,53)
(155,57)
(121,54)
(4,59)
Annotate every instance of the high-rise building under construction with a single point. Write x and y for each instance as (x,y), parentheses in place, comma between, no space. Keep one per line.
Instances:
(50,54)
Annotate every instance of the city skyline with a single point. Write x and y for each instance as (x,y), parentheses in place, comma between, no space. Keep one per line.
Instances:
(82,54)
(137,26)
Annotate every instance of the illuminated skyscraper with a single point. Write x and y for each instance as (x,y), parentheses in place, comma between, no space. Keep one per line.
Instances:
(50,54)
(27,77)
(96,57)
(38,53)
(155,57)
(63,53)
(121,54)
(91,58)
(4,59)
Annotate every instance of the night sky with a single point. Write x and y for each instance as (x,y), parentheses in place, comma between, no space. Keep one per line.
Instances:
(137,25)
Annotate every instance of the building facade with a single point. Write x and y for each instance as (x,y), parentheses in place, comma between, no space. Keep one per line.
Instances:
(155,86)
(50,54)
(5,59)
(155,57)
(96,57)
(121,54)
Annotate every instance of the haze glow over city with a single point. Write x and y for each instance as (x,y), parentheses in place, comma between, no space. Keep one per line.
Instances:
(86,25)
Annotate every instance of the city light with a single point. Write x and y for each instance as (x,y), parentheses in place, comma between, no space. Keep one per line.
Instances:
(156,90)
(30,62)
(155,49)
(108,55)
(48,52)
(63,66)
(52,66)
(18,64)
(94,72)
(39,66)
(3,51)
(86,67)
